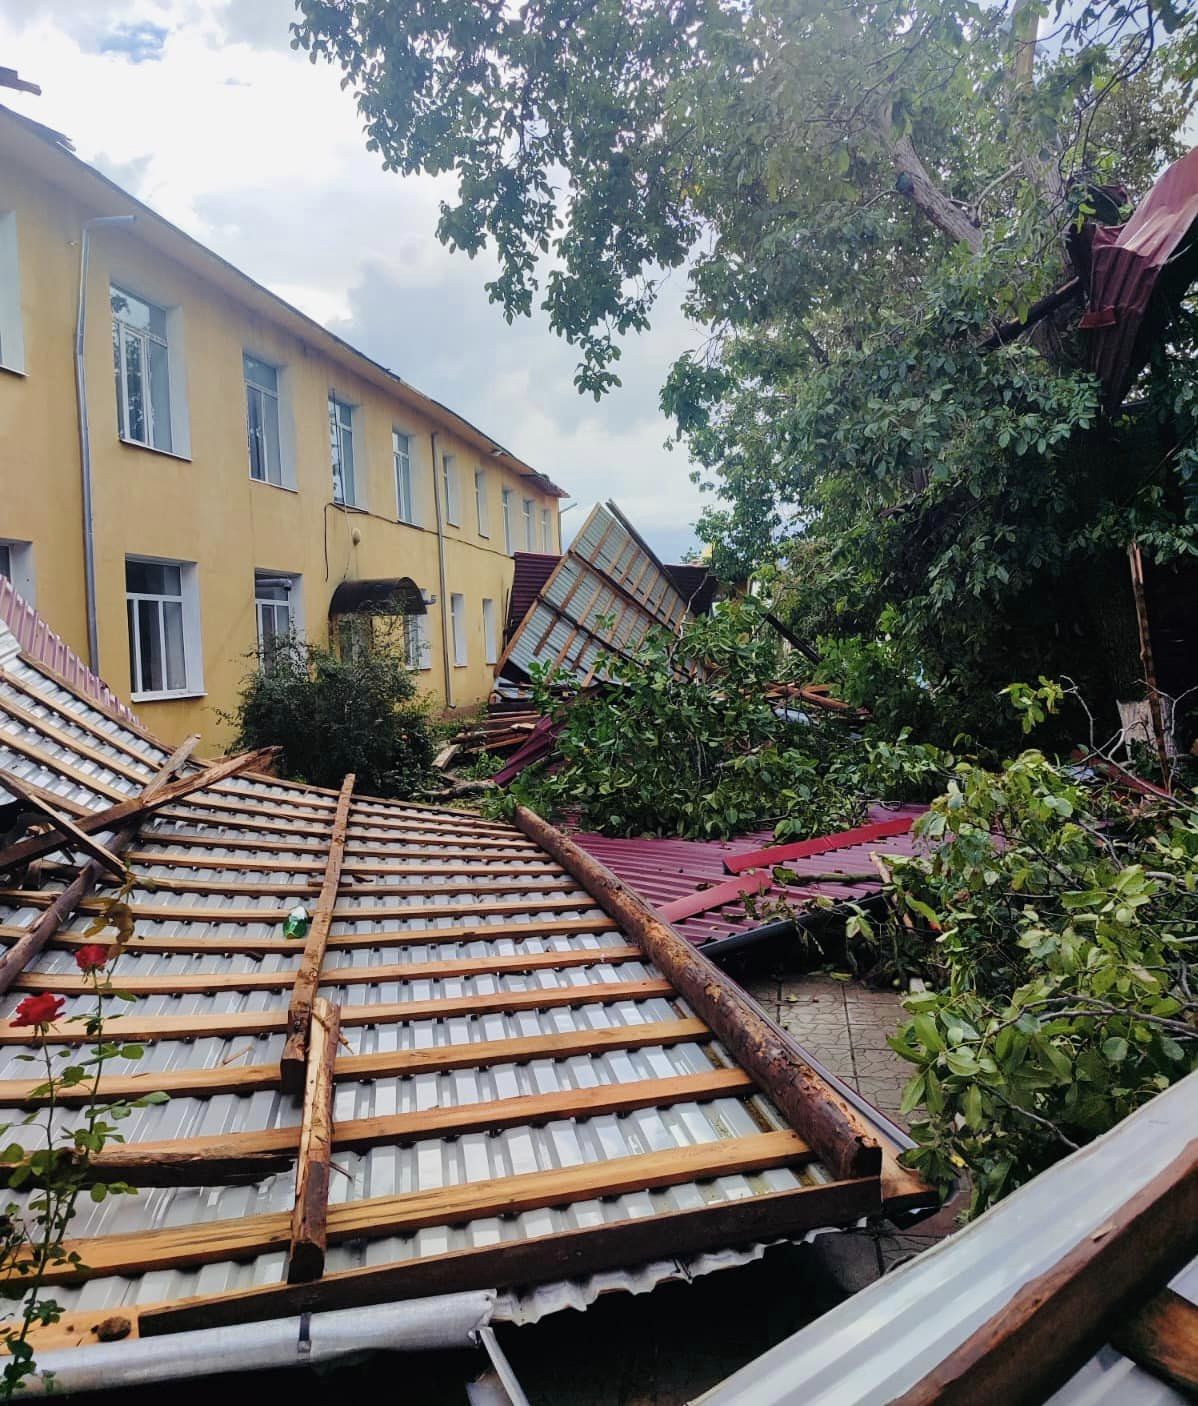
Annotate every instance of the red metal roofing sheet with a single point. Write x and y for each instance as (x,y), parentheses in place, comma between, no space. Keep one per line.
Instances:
(665,871)
(39,642)
(533,569)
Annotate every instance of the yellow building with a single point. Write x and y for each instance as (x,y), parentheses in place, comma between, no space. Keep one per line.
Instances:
(242,463)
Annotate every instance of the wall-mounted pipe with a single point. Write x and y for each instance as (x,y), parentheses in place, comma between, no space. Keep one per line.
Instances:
(85,450)
(445,664)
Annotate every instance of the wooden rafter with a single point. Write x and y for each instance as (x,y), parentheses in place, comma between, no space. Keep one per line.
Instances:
(309,1216)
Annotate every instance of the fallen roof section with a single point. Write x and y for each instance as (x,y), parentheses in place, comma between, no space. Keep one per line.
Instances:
(687,881)
(1021,1305)
(523,1092)
(604,595)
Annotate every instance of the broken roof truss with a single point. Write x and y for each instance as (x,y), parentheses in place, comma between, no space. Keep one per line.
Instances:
(487,1066)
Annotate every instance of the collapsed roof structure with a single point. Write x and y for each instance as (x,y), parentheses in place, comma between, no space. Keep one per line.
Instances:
(488,1067)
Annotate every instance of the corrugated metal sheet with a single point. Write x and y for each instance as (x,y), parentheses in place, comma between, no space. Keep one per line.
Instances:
(1137,273)
(883,1340)
(532,570)
(604,595)
(88,758)
(664,871)
(39,641)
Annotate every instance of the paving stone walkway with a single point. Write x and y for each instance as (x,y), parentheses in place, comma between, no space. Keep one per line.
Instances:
(845,1026)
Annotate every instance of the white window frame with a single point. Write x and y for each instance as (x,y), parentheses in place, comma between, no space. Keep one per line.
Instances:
(193,667)
(547,543)
(457,620)
(481,507)
(293,605)
(490,639)
(125,333)
(401,458)
(530,525)
(20,572)
(417,649)
(272,402)
(338,428)
(507,522)
(450,495)
(12,332)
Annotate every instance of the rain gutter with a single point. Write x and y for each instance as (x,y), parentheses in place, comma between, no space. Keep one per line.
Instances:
(445,1322)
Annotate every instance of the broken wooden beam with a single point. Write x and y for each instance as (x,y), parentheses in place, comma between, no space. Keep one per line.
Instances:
(66,833)
(843,1140)
(307,979)
(134,808)
(309,1216)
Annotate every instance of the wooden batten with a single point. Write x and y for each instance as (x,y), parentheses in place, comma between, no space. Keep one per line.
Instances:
(608,1245)
(845,1142)
(65,831)
(273,1022)
(309,1217)
(238,1157)
(374,1217)
(240,1079)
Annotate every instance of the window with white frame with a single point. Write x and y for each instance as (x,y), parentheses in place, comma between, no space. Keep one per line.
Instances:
(16,563)
(417,650)
(457,618)
(276,609)
(480,502)
(546,530)
(530,525)
(164,643)
(343,453)
(401,453)
(508,545)
(489,638)
(12,336)
(141,362)
(262,420)
(449,486)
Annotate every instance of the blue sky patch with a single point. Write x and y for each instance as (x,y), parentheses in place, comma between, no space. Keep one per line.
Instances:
(139,43)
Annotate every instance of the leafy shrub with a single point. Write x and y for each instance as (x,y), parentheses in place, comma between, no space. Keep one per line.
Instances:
(332,716)
(686,740)
(1056,920)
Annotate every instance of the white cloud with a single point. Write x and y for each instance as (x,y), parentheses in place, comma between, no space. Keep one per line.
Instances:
(248,146)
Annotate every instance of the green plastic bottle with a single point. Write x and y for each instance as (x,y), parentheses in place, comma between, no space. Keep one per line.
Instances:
(298,921)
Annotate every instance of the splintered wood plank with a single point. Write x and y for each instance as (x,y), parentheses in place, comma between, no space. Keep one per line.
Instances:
(67,834)
(307,979)
(309,1216)
(608,1245)
(500,964)
(133,808)
(212,1161)
(354,941)
(234,1078)
(272,1022)
(207,1242)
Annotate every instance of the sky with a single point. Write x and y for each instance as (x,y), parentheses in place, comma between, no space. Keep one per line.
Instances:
(201,109)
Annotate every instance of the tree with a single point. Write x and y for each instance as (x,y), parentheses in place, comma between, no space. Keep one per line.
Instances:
(868,195)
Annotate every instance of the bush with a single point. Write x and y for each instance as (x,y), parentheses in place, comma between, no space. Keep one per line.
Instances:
(1056,920)
(332,716)
(686,740)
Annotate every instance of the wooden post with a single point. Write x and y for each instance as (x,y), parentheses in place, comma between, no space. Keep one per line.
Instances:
(1146,661)
(842,1140)
(307,980)
(309,1218)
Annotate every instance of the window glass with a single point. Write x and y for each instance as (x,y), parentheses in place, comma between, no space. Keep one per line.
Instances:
(508,544)
(341,443)
(258,373)
(142,365)
(401,452)
(5,560)
(489,630)
(480,502)
(457,611)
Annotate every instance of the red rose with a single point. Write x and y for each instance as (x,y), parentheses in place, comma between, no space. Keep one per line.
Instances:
(42,1009)
(91,957)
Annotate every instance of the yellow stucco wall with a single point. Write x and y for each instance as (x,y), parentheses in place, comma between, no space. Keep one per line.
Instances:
(203,507)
